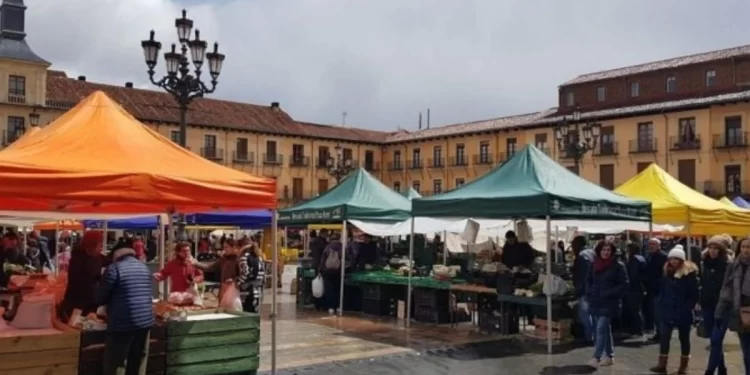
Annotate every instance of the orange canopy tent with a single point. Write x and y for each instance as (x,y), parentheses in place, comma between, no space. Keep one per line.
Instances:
(25,138)
(97,158)
(61,225)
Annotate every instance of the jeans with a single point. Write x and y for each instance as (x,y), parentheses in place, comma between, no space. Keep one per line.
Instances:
(716,356)
(665,338)
(745,345)
(603,342)
(586,319)
(331,290)
(126,353)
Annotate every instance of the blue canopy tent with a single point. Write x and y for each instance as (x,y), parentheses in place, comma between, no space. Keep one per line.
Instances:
(739,202)
(243,219)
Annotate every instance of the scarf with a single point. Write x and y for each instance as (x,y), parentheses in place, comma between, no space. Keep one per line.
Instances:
(601,264)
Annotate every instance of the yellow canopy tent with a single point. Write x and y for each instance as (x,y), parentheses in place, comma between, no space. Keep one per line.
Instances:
(727,202)
(675,203)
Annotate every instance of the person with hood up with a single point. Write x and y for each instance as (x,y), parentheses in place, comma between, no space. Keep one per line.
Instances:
(606,283)
(584,259)
(125,290)
(636,266)
(733,309)
(330,269)
(678,296)
(655,260)
(714,263)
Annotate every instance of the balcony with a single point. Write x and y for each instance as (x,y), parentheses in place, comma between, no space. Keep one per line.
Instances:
(430,193)
(643,146)
(395,165)
(212,153)
(723,141)
(371,166)
(299,161)
(290,196)
(545,150)
(16,99)
(606,149)
(321,162)
(414,164)
(678,143)
(721,188)
(482,159)
(273,159)
(243,157)
(436,163)
(458,161)
(501,158)
(11,136)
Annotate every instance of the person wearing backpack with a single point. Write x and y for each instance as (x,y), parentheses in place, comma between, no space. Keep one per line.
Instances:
(330,269)
(251,277)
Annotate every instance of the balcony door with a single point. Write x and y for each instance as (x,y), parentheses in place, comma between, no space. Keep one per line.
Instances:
(733,180)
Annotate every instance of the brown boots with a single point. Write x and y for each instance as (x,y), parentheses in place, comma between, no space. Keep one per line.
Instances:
(661,366)
(684,360)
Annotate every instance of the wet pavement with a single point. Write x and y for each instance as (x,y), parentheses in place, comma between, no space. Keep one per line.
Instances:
(311,343)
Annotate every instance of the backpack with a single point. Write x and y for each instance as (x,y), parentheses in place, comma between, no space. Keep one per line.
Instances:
(333,261)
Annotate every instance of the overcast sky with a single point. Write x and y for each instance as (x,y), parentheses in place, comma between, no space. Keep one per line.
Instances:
(384,61)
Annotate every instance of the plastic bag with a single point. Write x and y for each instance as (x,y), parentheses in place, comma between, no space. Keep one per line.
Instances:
(35,312)
(557,287)
(231,301)
(317,287)
(193,291)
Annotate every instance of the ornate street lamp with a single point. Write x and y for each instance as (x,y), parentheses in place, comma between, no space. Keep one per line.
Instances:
(575,139)
(339,168)
(179,81)
(34,118)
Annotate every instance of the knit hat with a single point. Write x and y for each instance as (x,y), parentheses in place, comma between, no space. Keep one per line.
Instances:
(677,252)
(721,241)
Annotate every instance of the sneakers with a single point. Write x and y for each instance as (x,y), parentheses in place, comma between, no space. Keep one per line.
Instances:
(606,362)
(593,362)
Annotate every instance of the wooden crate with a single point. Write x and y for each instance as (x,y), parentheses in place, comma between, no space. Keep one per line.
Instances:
(92,351)
(220,346)
(560,329)
(41,355)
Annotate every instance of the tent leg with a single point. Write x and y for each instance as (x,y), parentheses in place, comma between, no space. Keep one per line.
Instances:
(274,287)
(57,251)
(549,282)
(162,255)
(408,280)
(344,244)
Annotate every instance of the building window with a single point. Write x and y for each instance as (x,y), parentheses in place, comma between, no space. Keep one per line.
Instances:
(416,186)
(298,154)
(733,135)
(209,141)
(671,84)
(397,186)
(460,154)
(16,128)
(241,153)
(17,85)
(511,145)
(687,130)
(645,136)
(460,182)
(324,155)
(540,141)
(174,136)
(271,152)
(298,185)
(607,176)
(635,89)
(733,179)
(397,159)
(484,153)
(322,186)
(607,140)
(601,93)
(416,155)
(348,156)
(437,157)
(369,160)
(437,186)
(570,99)
(710,78)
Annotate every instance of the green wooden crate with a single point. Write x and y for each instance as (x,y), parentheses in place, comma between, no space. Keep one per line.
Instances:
(242,321)
(246,365)
(221,338)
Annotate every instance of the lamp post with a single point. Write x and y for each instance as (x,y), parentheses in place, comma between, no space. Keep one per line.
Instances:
(338,168)
(34,118)
(182,83)
(575,139)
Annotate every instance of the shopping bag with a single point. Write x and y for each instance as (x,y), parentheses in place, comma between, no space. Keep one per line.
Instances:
(317,287)
(557,286)
(231,301)
(193,291)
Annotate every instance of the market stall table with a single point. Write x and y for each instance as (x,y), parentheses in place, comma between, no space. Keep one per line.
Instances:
(40,351)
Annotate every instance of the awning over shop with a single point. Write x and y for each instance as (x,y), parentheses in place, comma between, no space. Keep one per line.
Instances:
(253,219)
(411,194)
(677,204)
(358,197)
(99,158)
(532,185)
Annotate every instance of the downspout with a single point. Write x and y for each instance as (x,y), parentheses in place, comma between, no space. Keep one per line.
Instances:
(226,147)
(666,142)
(313,174)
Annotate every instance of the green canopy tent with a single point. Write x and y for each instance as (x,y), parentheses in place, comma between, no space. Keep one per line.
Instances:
(360,196)
(532,185)
(411,194)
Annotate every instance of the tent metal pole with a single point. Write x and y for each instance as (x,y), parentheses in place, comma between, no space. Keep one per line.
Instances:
(445,247)
(408,281)
(549,282)
(344,244)
(162,254)
(57,250)
(274,287)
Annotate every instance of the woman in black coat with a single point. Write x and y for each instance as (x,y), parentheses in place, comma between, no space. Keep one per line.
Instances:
(714,263)
(606,284)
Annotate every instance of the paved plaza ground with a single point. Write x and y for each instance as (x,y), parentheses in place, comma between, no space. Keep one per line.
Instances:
(317,344)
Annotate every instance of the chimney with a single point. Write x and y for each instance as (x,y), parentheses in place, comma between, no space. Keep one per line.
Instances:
(82,78)
(428,118)
(275,105)
(129,85)
(420,120)
(13,20)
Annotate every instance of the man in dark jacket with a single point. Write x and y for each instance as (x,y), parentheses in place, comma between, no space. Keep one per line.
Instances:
(125,290)
(655,260)
(10,253)
(584,258)
(633,304)
(516,254)
(318,243)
